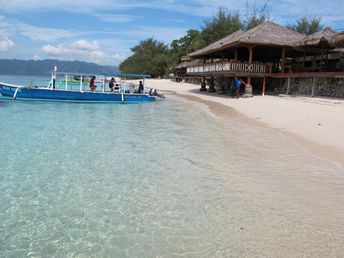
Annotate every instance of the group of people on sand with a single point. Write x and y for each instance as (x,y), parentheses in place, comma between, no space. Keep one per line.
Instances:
(112,84)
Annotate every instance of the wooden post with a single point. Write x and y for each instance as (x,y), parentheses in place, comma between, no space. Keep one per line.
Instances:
(248,86)
(288,86)
(250,58)
(327,58)
(203,84)
(313,86)
(304,60)
(314,63)
(222,84)
(322,58)
(236,54)
(263,91)
(283,60)
(211,85)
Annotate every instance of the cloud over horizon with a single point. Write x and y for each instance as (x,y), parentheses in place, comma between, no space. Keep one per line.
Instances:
(5,44)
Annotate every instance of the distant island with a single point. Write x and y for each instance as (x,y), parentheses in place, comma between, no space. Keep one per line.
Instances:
(44,67)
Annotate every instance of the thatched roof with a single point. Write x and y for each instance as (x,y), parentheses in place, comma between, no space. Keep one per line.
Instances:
(266,34)
(270,34)
(187,64)
(217,44)
(320,38)
(337,40)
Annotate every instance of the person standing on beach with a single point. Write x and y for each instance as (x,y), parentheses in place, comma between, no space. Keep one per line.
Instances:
(237,85)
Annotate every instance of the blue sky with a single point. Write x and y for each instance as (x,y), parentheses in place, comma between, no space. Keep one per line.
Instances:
(103,31)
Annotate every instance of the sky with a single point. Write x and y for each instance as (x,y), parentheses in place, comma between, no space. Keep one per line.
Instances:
(104,31)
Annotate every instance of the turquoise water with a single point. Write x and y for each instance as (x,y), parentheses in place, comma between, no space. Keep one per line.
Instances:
(26,80)
(164,179)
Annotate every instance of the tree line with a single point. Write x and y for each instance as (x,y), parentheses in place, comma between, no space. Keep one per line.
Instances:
(157,59)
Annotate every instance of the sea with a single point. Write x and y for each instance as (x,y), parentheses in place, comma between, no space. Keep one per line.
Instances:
(163,179)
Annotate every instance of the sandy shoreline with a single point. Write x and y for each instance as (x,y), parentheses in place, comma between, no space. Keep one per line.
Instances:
(315,123)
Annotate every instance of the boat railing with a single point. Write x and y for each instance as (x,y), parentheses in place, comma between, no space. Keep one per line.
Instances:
(81,81)
(78,81)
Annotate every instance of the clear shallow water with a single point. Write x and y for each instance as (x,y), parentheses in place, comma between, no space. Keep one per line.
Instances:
(164,179)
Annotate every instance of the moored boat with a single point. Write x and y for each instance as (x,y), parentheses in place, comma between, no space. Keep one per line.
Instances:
(70,91)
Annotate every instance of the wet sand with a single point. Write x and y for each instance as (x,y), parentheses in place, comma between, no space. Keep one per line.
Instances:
(288,211)
(315,123)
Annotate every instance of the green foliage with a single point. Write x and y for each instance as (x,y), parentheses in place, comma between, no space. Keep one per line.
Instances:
(221,25)
(150,57)
(187,44)
(154,58)
(307,25)
(255,15)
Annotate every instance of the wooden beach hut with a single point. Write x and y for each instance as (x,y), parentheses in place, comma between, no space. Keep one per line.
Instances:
(312,52)
(270,51)
(267,51)
(257,52)
(179,71)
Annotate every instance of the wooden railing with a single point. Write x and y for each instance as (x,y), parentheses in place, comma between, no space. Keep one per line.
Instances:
(229,67)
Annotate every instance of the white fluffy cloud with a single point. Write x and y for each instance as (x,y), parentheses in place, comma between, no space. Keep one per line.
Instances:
(83,45)
(89,51)
(36,57)
(6,44)
(79,47)
(10,28)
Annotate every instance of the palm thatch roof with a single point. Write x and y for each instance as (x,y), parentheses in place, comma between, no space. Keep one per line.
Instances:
(269,34)
(189,63)
(266,34)
(217,44)
(320,38)
(337,40)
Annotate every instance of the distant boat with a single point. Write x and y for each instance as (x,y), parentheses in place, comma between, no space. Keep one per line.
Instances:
(78,88)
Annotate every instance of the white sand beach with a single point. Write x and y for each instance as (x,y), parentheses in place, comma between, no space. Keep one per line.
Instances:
(316,123)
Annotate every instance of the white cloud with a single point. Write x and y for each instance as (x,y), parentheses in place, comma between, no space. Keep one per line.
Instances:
(281,11)
(89,51)
(6,44)
(83,45)
(114,18)
(76,48)
(6,28)
(9,28)
(36,57)
(44,34)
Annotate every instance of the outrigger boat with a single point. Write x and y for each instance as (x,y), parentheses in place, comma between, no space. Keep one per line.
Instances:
(74,88)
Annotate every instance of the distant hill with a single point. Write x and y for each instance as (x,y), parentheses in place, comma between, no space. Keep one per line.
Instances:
(44,67)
